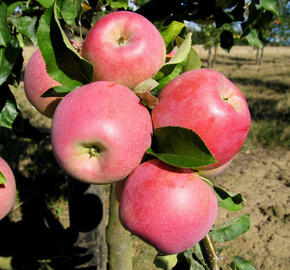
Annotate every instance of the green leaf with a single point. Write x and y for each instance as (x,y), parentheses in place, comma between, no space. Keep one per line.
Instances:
(166,262)
(5,34)
(46,3)
(70,10)
(253,39)
(118,3)
(198,253)
(57,91)
(145,86)
(231,230)
(240,263)
(171,72)
(62,61)
(8,57)
(270,5)
(180,147)
(193,264)
(26,26)
(8,114)
(182,51)
(13,6)
(2,179)
(228,201)
(171,31)
(192,62)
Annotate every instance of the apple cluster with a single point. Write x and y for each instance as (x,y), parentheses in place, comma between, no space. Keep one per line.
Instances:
(100,131)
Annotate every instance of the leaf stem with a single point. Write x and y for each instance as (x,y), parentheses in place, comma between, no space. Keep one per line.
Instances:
(211,252)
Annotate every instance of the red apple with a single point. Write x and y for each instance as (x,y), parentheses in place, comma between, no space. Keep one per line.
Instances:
(37,82)
(213,172)
(7,190)
(124,47)
(100,132)
(211,105)
(168,207)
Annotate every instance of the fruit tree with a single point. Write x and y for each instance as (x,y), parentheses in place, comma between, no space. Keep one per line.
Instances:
(132,108)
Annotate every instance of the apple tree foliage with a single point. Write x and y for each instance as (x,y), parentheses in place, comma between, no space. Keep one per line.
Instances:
(51,25)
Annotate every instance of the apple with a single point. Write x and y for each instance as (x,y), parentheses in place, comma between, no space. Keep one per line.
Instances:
(7,190)
(124,47)
(208,103)
(37,82)
(100,132)
(168,207)
(213,172)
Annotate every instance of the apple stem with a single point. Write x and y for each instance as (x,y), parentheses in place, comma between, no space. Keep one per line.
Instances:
(211,252)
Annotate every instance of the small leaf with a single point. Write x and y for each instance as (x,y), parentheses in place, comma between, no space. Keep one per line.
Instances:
(8,114)
(5,34)
(57,91)
(143,89)
(240,263)
(182,51)
(193,61)
(166,262)
(180,147)
(228,201)
(11,8)
(171,31)
(2,179)
(270,5)
(46,3)
(199,255)
(193,264)
(253,39)
(26,26)
(118,3)
(8,57)
(168,73)
(231,230)
(145,86)
(70,10)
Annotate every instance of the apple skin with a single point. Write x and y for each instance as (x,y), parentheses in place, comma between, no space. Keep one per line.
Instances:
(208,103)
(100,132)
(170,208)
(124,47)
(213,172)
(37,82)
(7,190)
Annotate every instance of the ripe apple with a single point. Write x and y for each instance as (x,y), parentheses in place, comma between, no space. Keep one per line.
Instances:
(37,82)
(124,47)
(207,102)
(213,172)
(100,132)
(7,190)
(168,207)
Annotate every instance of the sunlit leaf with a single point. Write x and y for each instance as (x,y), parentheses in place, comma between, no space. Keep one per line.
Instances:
(240,263)
(46,3)
(270,5)
(2,179)
(70,10)
(26,26)
(166,262)
(231,230)
(253,39)
(8,114)
(171,31)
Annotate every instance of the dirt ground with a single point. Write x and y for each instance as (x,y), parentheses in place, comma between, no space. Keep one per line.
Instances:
(261,174)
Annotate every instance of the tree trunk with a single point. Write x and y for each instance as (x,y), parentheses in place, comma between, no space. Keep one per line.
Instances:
(118,239)
(214,55)
(261,56)
(89,250)
(257,55)
(209,60)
